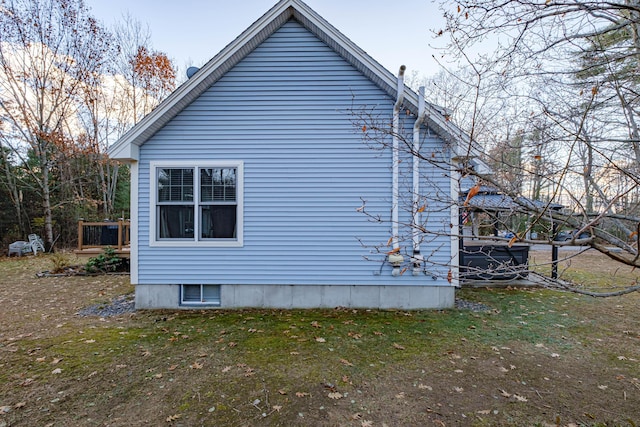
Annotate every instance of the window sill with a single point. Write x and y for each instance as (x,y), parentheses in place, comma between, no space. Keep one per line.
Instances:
(199,304)
(194,244)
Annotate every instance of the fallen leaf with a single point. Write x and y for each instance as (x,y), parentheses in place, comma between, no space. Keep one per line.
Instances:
(226,369)
(320,339)
(282,392)
(398,346)
(505,394)
(90,341)
(346,362)
(459,389)
(20,405)
(425,387)
(302,394)
(520,398)
(56,361)
(335,395)
(555,355)
(277,408)
(172,418)
(173,367)
(197,365)
(315,324)
(484,412)
(400,395)
(56,371)
(366,423)
(603,387)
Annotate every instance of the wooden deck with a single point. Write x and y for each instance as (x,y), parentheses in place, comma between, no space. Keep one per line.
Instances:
(92,252)
(95,237)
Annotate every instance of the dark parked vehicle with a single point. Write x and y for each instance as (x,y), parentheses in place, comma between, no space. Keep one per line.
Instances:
(564,236)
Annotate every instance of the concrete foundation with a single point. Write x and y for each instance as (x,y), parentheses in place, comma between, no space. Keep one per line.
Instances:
(307,296)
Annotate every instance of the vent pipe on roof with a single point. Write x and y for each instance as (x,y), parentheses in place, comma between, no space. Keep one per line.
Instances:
(191,71)
(395,258)
(416,257)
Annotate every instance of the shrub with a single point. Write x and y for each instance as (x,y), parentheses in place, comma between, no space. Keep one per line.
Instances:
(107,262)
(59,262)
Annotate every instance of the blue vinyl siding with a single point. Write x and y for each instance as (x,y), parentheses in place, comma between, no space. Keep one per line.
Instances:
(284,112)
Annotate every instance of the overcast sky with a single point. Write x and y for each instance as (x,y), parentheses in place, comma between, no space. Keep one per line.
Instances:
(191,32)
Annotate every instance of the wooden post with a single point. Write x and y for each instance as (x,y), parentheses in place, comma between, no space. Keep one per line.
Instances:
(80,235)
(554,251)
(120,234)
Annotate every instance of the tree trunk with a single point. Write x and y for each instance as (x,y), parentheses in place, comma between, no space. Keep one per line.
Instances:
(46,205)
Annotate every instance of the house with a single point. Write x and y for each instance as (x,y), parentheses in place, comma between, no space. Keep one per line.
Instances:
(252,187)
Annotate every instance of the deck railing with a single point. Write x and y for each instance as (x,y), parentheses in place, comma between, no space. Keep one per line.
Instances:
(101,234)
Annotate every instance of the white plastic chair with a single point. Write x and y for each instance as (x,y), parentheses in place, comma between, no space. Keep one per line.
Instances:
(36,244)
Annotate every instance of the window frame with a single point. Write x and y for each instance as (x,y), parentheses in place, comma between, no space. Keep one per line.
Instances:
(211,303)
(196,241)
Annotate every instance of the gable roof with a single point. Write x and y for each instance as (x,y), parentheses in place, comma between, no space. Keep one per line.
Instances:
(127,147)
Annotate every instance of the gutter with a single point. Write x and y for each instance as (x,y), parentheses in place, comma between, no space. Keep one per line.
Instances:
(416,257)
(394,257)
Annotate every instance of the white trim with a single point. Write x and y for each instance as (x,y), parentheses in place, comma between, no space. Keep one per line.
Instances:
(455,227)
(237,242)
(128,152)
(133,227)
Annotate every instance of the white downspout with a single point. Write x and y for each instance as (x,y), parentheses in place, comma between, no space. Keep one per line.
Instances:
(416,257)
(395,258)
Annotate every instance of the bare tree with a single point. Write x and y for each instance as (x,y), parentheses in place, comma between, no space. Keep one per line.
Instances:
(573,64)
(48,50)
(144,76)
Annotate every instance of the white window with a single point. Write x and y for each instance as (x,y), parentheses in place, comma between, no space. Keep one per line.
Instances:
(197,204)
(200,295)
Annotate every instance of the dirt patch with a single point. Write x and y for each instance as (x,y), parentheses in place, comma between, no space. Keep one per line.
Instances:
(534,357)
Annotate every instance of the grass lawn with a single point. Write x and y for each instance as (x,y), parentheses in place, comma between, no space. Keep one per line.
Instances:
(533,358)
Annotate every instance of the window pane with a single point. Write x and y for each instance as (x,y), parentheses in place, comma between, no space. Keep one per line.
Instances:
(211,293)
(218,184)
(191,293)
(175,222)
(175,185)
(218,222)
